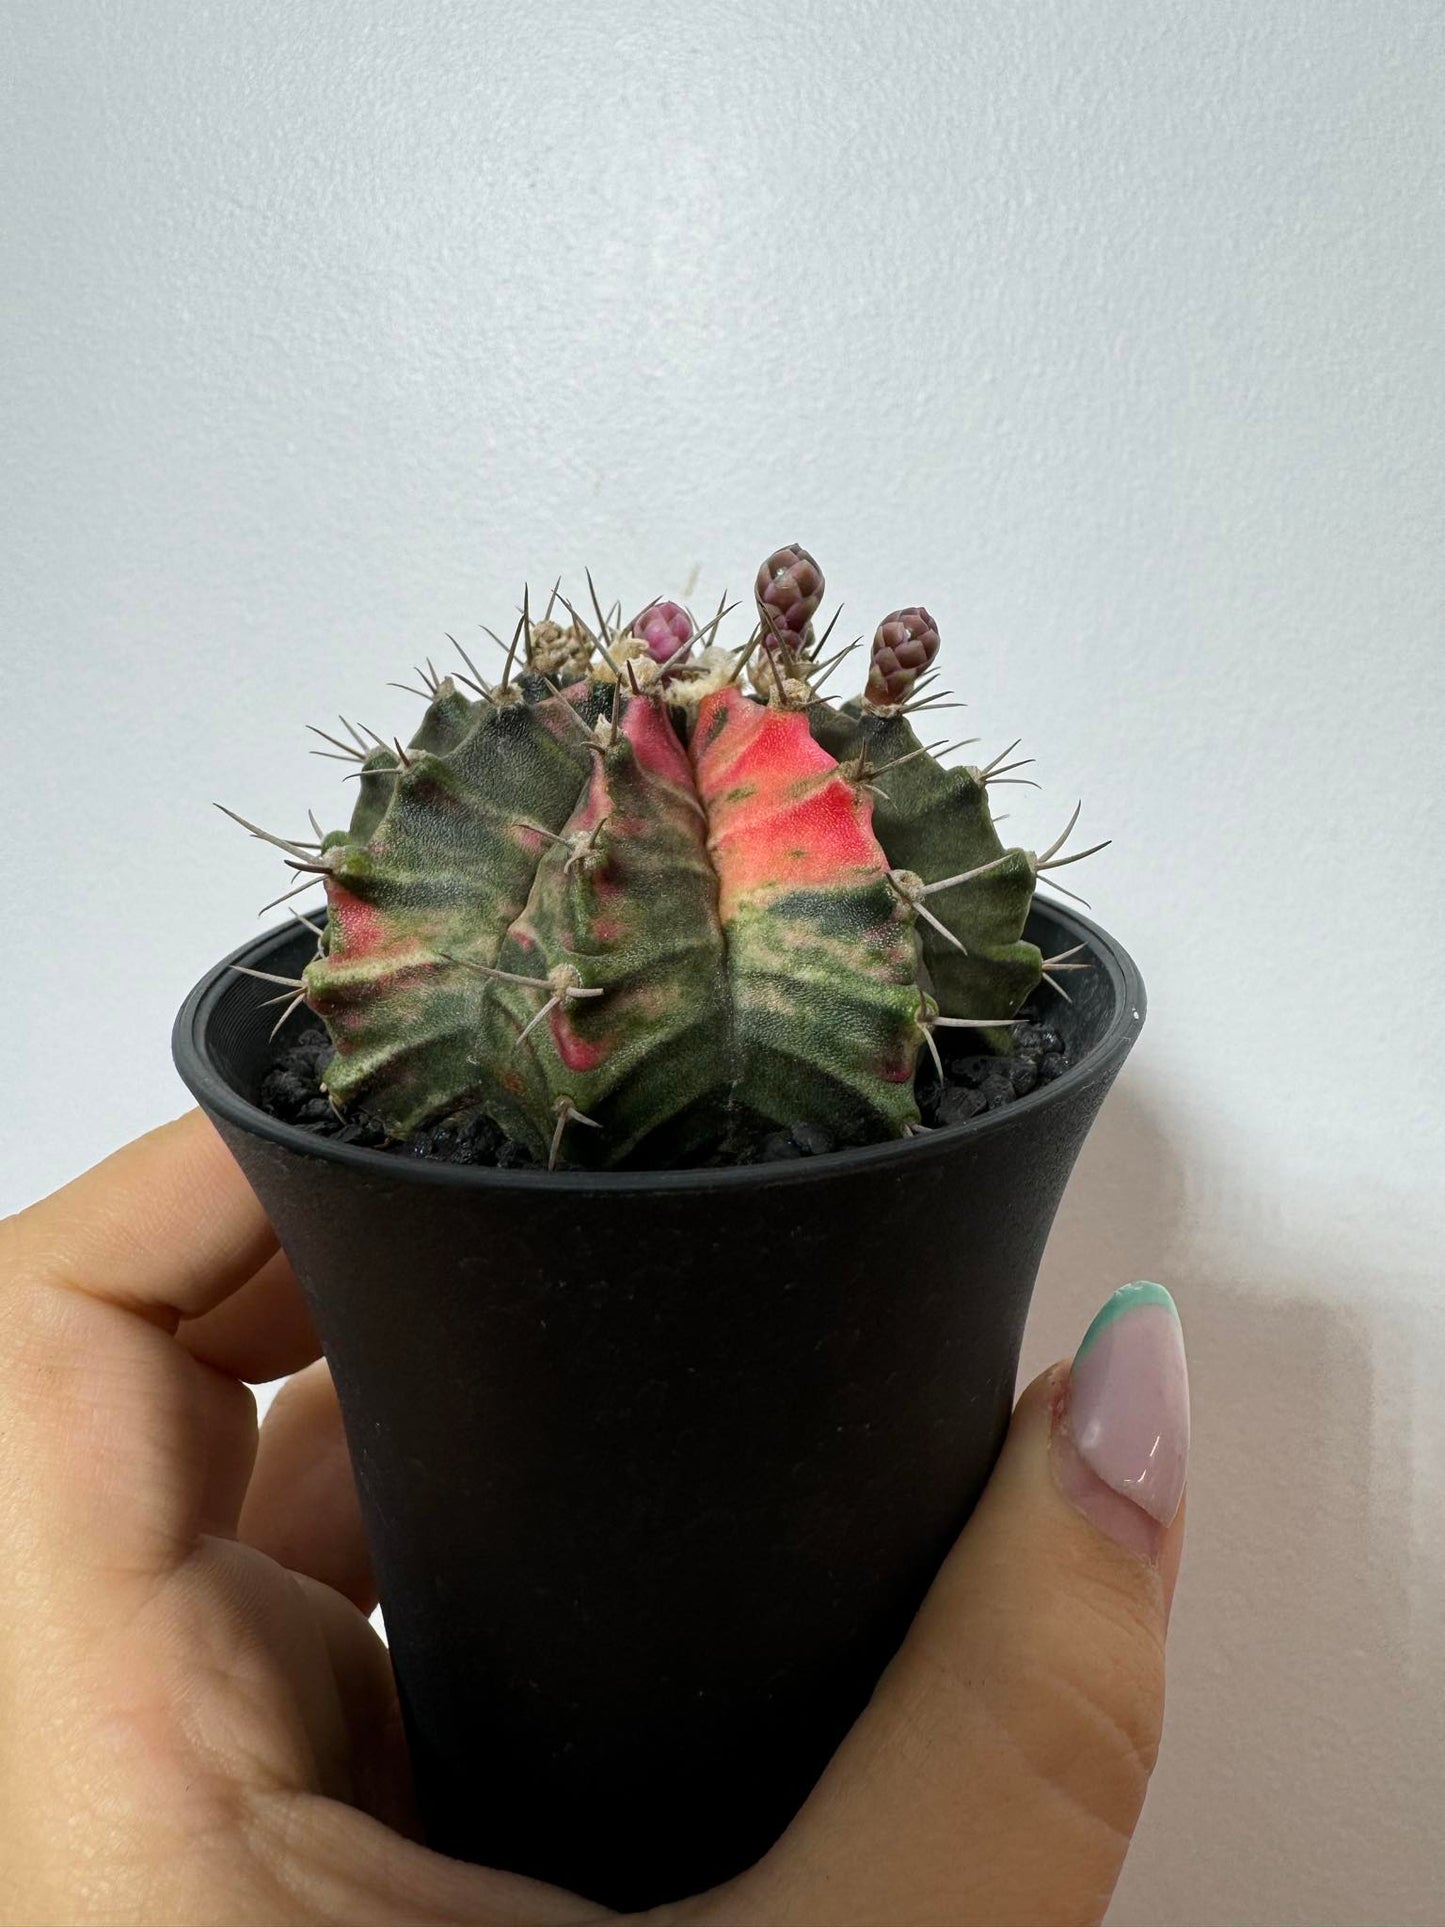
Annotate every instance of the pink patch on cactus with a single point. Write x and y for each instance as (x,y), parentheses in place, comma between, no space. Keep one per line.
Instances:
(899,1068)
(530,837)
(577,1053)
(361,928)
(665,627)
(648,727)
(595,804)
(780,815)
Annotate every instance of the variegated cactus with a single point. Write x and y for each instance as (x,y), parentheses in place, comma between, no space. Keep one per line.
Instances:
(624,905)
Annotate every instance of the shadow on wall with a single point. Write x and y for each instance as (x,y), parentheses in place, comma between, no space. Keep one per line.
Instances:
(1305,1748)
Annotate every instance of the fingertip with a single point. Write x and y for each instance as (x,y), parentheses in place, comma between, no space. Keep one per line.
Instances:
(1120,1437)
(1042,1396)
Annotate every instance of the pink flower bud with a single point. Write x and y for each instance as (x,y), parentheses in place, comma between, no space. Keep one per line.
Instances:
(665,627)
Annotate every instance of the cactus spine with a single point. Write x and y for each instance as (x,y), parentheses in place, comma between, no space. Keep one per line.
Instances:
(630,909)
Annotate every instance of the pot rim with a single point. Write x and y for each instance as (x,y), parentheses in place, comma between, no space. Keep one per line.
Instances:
(190,1049)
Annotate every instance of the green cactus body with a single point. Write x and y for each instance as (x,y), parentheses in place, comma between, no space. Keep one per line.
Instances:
(935,822)
(627,901)
(437,865)
(646,915)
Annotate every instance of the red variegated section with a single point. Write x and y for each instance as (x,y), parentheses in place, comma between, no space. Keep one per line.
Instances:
(780,816)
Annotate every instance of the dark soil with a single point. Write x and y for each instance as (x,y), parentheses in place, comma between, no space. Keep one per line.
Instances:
(972,1084)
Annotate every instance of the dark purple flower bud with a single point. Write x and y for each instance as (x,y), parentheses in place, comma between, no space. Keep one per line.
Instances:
(905,644)
(789,588)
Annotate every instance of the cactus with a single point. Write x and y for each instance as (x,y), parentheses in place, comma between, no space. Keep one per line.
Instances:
(634,913)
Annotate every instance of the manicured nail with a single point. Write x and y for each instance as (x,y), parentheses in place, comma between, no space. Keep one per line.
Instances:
(1125,1423)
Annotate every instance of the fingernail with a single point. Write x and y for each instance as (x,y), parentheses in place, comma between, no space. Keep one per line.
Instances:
(1122,1441)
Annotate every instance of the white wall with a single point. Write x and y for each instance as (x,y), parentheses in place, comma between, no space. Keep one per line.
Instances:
(1110,330)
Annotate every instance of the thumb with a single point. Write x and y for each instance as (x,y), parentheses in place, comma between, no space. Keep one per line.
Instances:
(998,1772)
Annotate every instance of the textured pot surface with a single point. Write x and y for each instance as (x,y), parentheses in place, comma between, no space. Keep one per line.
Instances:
(657,1466)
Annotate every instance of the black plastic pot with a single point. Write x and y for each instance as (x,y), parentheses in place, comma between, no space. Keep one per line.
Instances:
(656,1467)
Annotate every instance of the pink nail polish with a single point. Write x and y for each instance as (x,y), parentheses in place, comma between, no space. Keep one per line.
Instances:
(1126,1418)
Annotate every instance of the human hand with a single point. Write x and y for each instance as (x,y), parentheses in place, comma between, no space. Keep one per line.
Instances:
(200,1725)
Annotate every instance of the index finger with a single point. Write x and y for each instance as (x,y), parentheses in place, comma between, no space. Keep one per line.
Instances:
(166,1227)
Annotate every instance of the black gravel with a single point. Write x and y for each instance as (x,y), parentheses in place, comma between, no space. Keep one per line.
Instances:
(979,1082)
(972,1083)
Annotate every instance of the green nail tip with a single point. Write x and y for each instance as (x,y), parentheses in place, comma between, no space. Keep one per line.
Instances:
(1127,1298)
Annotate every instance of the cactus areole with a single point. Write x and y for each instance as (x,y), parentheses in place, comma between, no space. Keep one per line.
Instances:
(645,895)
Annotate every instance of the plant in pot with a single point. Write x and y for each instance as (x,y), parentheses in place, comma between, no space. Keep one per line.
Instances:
(695,1085)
